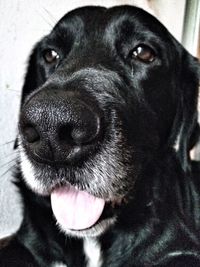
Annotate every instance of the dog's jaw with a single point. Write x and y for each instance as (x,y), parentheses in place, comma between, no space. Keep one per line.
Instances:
(28,171)
(29,176)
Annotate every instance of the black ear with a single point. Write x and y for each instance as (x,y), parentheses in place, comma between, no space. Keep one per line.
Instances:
(34,74)
(33,79)
(188,128)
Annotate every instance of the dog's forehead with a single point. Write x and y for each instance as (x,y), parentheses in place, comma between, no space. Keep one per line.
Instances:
(93,21)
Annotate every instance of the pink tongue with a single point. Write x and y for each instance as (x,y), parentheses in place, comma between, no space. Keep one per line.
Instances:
(76,209)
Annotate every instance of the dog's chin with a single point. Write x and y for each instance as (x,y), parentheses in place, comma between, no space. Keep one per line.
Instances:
(96,230)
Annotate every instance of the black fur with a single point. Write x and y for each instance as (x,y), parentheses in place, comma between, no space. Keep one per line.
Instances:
(152,106)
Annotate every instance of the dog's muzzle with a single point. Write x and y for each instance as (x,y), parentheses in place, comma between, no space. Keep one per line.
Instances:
(71,152)
(59,127)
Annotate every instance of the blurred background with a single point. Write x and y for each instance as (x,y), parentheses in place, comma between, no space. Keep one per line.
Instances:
(22,24)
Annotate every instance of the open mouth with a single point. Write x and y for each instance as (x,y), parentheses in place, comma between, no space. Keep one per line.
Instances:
(78,211)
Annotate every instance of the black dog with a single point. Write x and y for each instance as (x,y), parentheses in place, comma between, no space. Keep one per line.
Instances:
(108,117)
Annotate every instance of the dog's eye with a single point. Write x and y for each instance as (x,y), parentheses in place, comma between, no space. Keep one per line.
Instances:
(143,53)
(50,56)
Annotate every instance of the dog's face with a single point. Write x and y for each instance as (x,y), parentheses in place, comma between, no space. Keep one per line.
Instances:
(101,99)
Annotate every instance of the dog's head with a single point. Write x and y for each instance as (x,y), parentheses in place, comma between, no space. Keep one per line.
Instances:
(107,91)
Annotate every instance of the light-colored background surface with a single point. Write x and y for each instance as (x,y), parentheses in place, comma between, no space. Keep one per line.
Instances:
(22,23)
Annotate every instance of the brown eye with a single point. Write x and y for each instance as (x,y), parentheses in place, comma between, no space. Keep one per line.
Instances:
(143,53)
(50,56)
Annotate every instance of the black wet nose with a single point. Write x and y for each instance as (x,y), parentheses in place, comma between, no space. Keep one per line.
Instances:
(59,126)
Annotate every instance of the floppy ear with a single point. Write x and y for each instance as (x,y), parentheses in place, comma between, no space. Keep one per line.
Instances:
(30,77)
(34,74)
(33,79)
(188,128)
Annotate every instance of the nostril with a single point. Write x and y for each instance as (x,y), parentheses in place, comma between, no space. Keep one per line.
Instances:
(65,134)
(74,135)
(31,134)
(80,136)
(81,128)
